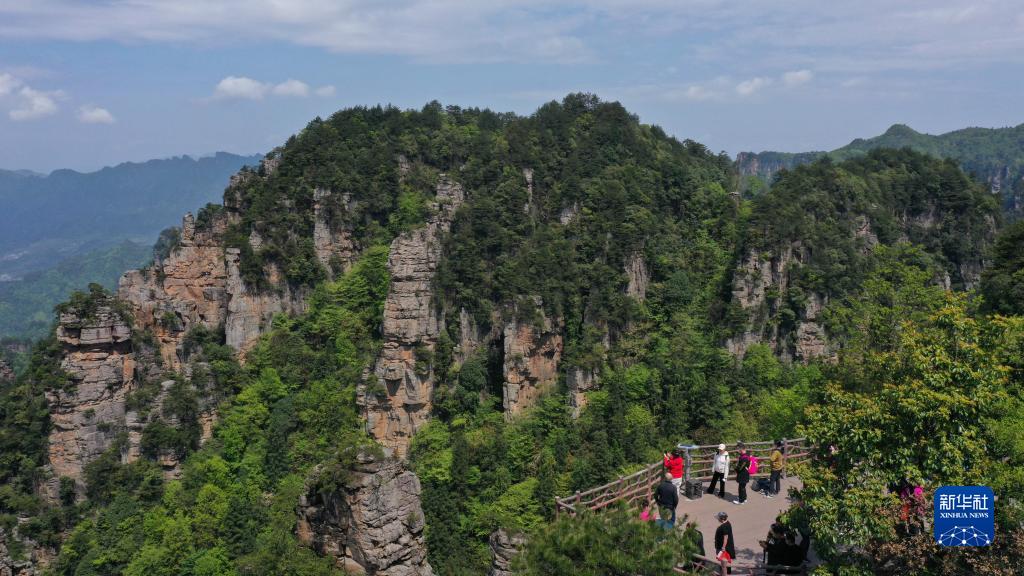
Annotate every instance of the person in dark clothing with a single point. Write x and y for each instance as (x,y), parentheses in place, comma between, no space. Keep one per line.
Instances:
(774,546)
(723,536)
(742,474)
(667,496)
(793,554)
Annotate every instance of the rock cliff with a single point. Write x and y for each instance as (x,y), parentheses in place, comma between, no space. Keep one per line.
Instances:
(16,566)
(89,413)
(759,283)
(504,548)
(6,372)
(371,524)
(188,288)
(398,397)
(532,354)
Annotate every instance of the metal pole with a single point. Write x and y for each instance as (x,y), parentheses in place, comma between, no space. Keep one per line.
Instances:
(785,469)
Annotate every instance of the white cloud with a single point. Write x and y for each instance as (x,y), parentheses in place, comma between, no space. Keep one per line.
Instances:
(245,88)
(291,87)
(8,84)
(854,82)
(89,114)
(749,87)
(698,93)
(34,104)
(797,77)
(239,87)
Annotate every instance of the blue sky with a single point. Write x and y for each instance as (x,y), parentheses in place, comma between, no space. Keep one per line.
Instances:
(90,83)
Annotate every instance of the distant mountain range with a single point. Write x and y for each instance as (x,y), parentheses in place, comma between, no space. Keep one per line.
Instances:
(63,230)
(992,155)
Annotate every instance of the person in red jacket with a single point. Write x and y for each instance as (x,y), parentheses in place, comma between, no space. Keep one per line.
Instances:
(674,465)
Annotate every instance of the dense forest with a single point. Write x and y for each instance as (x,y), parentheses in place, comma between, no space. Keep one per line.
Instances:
(627,247)
(994,156)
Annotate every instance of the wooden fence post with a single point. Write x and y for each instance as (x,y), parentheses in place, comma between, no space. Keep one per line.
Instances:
(578,500)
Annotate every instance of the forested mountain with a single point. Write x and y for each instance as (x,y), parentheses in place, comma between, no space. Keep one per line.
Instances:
(47,219)
(406,331)
(991,155)
(67,229)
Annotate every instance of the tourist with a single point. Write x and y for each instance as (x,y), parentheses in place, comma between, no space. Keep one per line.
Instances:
(720,471)
(774,545)
(667,496)
(778,461)
(792,553)
(646,515)
(742,474)
(725,547)
(674,465)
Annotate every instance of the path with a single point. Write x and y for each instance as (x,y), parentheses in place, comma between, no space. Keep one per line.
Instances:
(750,521)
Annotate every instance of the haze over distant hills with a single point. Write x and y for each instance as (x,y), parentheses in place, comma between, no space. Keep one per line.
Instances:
(992,155)
(63,230)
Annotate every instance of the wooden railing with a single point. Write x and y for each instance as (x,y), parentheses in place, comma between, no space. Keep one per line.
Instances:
(711,567)
(639,486)
(700,459)
(633,488)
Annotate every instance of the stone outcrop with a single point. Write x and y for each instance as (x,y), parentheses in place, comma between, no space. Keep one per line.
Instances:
(88,414)
(332,238)
(200,284)
(636,271)
(249,312)
(397,400)
(188,288)
(758,285)
(6,372)
(24,566)
(371,524)
(531,361)
(504,549)
(579,381)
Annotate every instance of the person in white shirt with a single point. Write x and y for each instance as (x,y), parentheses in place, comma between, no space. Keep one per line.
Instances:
(720,469)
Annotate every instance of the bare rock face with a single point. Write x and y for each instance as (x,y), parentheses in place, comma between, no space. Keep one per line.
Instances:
(636,271)
(757,286)
(397,400)
(504,549)
(579,381)
(6,372)
(89,413)
(332,239)
(373,524)
(188,288)
(11,566)
(532,356)
(249,312)
(199,284)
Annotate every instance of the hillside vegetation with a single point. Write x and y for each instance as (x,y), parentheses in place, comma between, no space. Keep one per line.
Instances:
(627,247)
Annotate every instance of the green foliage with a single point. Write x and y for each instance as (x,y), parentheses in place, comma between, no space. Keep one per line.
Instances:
(921,416)
(1002,283)
(233,511)
(615,542)
(26,305)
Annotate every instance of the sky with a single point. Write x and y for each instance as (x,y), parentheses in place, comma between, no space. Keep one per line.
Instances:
(89,83)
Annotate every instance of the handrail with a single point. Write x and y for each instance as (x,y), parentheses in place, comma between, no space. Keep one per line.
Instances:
(698,463)
(712,566)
